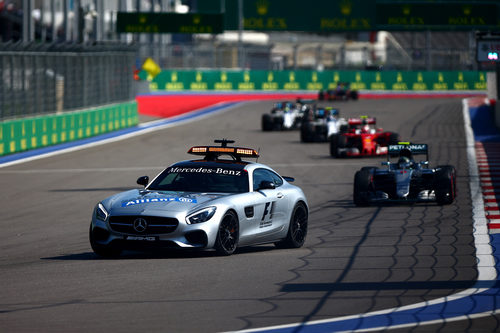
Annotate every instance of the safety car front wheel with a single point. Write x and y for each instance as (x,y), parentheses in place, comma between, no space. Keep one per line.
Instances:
(227,235)
(105,251)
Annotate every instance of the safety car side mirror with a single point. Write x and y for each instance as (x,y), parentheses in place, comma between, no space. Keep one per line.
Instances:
(266,185)
(144,180)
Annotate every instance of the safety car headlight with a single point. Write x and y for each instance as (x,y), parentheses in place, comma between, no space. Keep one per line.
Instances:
(100,212)
(201,216)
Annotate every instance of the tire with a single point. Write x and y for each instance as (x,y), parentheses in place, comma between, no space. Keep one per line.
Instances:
(343,128)
(393,138)
(354,95)
(362,187)
(267,122)
(227,235)
(342,143)
(278,123)
(306,134)
(105,251)
(445,185)
(334,149)
(297,230)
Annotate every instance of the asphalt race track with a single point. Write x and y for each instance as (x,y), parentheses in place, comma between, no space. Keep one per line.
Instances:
(355,260)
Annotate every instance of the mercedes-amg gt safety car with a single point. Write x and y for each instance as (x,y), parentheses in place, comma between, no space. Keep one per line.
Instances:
(319,123)
(218,201)
(406,180)
(361,139)
(283,116)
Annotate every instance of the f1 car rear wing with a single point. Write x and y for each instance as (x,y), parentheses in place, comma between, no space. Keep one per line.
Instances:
(212,153)
(413,148)
(362,121)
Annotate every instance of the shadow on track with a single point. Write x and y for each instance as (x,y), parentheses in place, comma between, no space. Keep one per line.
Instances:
(163,254)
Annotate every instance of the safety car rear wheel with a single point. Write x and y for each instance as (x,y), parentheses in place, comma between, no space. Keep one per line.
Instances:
(362,184)
(445,185)
(105,251)
(297,230)
(227,235)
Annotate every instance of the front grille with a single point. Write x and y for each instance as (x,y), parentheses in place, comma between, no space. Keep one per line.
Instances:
(155,224)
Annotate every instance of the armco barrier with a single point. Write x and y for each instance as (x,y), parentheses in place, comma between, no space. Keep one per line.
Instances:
(36,132)
(259,80)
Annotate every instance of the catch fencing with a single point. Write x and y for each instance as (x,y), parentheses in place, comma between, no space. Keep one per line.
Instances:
(37,79)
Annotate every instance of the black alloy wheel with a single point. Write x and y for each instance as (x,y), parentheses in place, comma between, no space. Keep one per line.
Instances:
(228,234)
(297,230)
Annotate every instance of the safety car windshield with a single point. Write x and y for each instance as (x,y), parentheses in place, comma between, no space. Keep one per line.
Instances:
(201,179)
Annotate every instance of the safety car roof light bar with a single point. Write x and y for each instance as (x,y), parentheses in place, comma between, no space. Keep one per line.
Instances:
(212,153)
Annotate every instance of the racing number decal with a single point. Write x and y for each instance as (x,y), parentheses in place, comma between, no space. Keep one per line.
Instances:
(267,212)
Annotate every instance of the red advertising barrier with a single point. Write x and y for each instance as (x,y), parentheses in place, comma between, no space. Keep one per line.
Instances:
(168,105)
(172,105)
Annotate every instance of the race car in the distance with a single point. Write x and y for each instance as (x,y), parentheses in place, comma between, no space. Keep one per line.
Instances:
(207,203)
(342,92)
(319,123)
(405,180)
(362,138)
(283,116)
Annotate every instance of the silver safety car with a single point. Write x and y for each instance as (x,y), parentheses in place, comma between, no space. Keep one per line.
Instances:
(218,201)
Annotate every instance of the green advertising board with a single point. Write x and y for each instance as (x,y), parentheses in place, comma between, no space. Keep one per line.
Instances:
(36,132)
(192,80)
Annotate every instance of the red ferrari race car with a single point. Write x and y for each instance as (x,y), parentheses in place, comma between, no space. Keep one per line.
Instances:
(362,139)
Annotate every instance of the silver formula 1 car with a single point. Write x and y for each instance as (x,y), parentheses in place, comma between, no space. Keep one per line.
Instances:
(405,180)
(204,203)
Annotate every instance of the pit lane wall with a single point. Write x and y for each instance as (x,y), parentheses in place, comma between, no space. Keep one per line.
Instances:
(36,132)
(259,80)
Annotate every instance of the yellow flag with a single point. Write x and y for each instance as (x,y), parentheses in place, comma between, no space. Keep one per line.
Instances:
(151,67)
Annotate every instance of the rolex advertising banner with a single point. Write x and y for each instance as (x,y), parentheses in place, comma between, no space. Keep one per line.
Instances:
(258,80)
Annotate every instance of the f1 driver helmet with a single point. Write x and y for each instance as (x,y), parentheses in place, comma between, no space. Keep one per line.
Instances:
(405,152)
(403,162)
(405,157)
